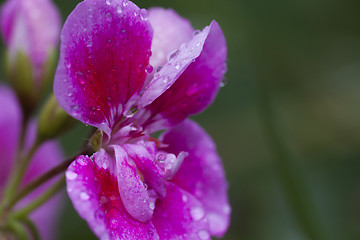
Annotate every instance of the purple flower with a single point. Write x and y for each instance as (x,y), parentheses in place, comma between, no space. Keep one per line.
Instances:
(48,156)
(32,27)
(136,186)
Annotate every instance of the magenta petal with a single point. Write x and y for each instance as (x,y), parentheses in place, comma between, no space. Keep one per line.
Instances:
(133,192)
(170,31)
(180,216)
(144,154)
(105,49)
(201,173)
(10,125)
(197,85)
(94,192)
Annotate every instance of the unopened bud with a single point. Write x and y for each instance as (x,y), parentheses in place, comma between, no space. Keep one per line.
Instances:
(53,120)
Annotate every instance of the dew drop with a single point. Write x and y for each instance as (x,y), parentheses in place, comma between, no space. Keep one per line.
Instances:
(173,54)
(144,14)
(226,209)
(223,82)
(161,157)
(108,2)
(152,205)
(149,69)
(158,69)
(82,162)
(197,213)
(89,43)
(178,65)
(125,2)
(99,215)
(70,95)
(197,32)
(119,9)
(68,65)
(184,198)
(84,196)
(145,186)
(203,234)
(114,223)
(198,44)
(109,16)
(136,13)
(70,175)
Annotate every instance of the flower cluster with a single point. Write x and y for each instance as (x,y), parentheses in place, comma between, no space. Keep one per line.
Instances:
(132,73)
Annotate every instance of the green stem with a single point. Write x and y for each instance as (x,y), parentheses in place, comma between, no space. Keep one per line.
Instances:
(292,178)
(40,180)
(18,229)
(22,213)
(37,182)
(32,228)
(17,176)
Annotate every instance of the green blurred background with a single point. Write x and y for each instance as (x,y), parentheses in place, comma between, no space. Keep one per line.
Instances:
(306,56)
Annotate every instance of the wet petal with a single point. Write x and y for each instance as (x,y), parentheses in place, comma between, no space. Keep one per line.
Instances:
(94,191)
(105,50)
(190,85)
(10,125)
(143,154)
(133,191)
(170,31)
(180,216)
(201,173)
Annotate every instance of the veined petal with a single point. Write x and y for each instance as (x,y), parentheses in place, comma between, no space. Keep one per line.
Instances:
(94,191)
(105,49)
(10,125)
(189,82)
(143,154)
(201,173)
(170,31)
(133,192)
(180,216)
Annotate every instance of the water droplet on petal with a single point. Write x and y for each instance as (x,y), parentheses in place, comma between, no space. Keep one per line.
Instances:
(197,32)
(158,69)
(119,9)
(197,213)
(144,14)
(136,13)
(203,234)
(68,65)
(149,69)
(108,2)
(114,223)
(184,198)
(99,215)
(84,196)
(161,157)
(198,44)
(178,65)
(226,209)
(125,2)
(173,54)
(70,175)
(109,16)
(224,82)
(152,205)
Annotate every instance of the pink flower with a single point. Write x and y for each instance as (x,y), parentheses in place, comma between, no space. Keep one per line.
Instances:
(32,27)
(135,186)
(10,125)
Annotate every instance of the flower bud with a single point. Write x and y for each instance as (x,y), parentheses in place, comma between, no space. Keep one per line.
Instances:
(53,120)
(30,30)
